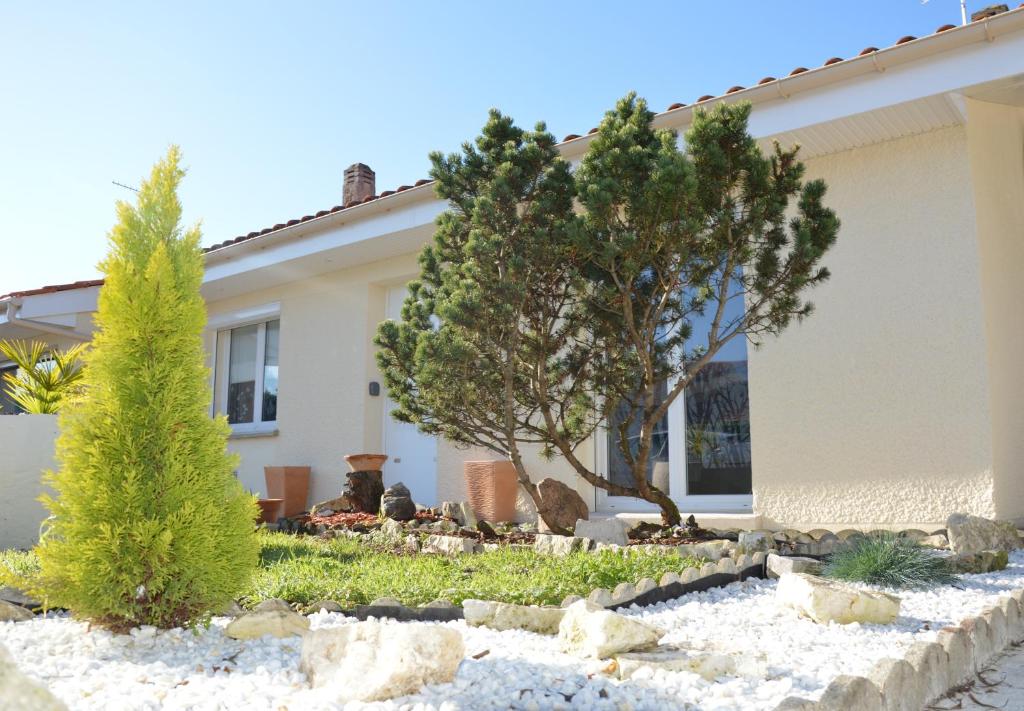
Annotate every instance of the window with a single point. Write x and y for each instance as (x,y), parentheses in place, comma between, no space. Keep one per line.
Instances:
(701,454)
(7,405)
(248,375)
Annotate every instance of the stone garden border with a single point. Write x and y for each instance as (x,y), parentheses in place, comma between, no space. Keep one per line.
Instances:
(645,592)
(928,670)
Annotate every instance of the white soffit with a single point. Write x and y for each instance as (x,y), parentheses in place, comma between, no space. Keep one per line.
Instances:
(864,129)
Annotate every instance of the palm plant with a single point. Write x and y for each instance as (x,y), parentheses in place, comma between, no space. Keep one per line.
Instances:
(44,377)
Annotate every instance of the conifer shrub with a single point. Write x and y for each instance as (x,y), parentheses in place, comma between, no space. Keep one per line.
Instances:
(890,561)
(149,524)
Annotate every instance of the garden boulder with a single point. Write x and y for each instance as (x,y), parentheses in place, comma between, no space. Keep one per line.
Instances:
(449,545)
(275,622)
(974,534)
(560,505)
(777,565)
(13,613)
(606,530)
(589,630)
(709,666)
(370,661)
(825,601)
(17,691)
(505,616)
(396,503)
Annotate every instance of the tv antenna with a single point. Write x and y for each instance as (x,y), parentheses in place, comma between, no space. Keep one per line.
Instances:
(126,187)
(963,10)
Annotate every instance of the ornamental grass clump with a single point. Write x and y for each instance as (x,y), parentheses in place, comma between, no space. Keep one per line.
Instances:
(889,561)
(149,524)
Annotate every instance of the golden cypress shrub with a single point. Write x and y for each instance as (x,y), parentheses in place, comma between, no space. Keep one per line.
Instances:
(149,525)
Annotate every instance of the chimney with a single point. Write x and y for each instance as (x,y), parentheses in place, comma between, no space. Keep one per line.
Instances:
(360,183)
(987,12)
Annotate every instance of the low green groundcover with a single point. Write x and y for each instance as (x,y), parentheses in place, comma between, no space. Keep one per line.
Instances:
(308,569)
(305,570)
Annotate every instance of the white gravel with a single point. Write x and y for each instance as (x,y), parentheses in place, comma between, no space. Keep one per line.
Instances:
(177,669)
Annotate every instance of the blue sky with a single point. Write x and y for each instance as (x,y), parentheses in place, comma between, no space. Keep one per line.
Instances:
(270,101)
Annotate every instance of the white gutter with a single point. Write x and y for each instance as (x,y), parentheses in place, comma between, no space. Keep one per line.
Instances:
(987,30)
(14,305)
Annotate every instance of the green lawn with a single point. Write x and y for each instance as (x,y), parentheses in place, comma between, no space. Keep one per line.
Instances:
(305,569)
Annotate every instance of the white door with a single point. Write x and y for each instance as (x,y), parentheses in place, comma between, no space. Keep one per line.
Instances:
(412,455)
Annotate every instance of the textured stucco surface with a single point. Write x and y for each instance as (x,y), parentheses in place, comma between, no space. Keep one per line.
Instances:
(996,145)
(875,410)
(326,363)
(26,451)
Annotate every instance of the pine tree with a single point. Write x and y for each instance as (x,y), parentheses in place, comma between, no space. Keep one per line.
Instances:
(488,310)
(547,301)
(149,525)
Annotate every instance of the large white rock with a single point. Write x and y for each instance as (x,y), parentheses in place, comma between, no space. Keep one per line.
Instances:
(17,691)
(552,544)
(370,661)
(825,601)
(709,665)
(589,630)
(449,545)
(505,616)
(275,622)
(753,541)
(13,613)
(605,530)
(973,534)
(780,564)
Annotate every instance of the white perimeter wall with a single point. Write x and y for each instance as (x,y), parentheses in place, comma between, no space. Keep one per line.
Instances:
(26,451)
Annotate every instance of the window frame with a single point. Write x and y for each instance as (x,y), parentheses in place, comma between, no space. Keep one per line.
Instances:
(222,326)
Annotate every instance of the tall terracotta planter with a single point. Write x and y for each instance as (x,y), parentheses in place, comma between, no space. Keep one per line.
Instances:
(491,487)
(291,484)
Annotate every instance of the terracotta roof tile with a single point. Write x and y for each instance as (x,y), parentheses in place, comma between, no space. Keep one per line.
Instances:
(53,288)
(573,136)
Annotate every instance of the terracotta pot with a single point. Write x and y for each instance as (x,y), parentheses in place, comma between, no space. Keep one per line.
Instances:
(491,488)
(290,484)
(366,462)
(269,510)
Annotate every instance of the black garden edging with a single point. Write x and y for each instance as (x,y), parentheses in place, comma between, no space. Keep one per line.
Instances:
(662,593)
(666,593)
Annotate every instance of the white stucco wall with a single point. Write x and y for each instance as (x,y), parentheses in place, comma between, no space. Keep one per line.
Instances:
(996,143)
(326,364)
(875,410)
(26,451)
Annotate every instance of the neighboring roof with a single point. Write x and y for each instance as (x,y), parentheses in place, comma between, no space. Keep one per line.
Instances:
(54,288)
(829,64)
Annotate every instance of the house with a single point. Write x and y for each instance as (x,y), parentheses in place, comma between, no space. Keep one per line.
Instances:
(900,401)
